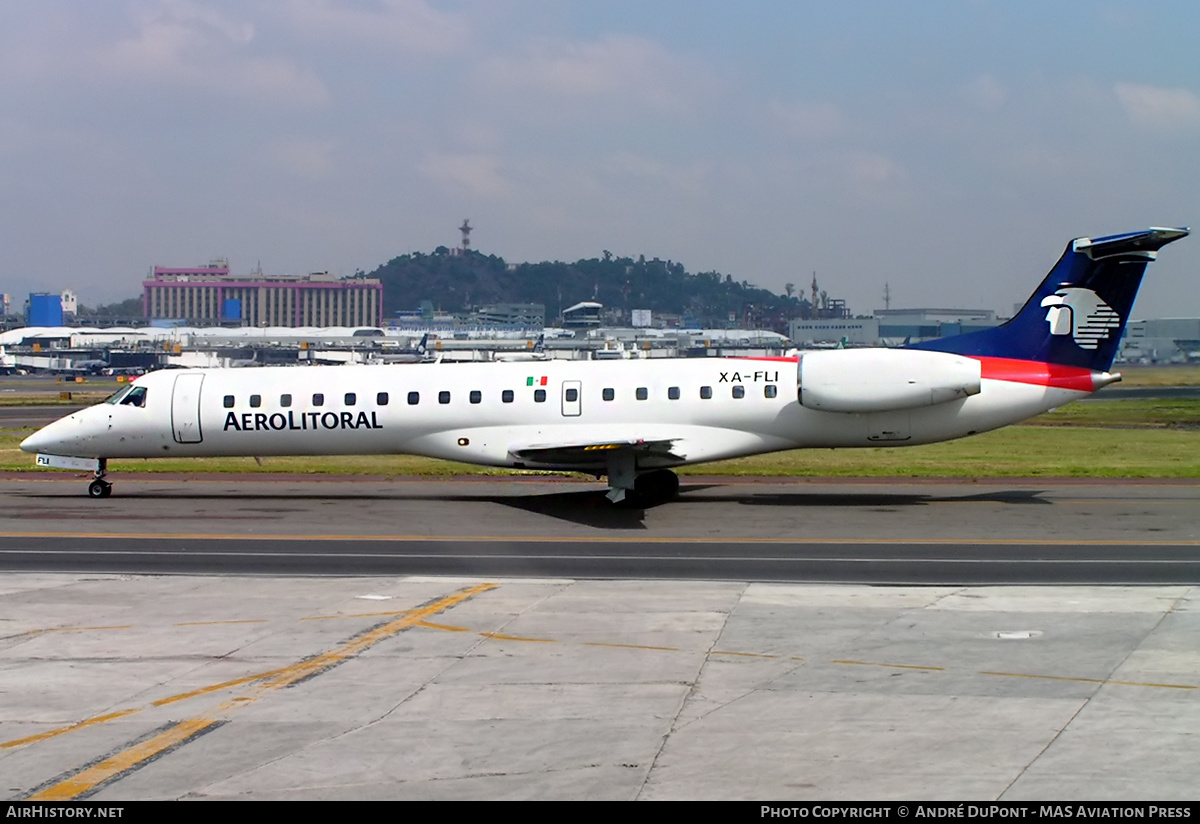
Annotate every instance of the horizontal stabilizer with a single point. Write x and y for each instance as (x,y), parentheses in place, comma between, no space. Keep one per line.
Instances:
(1145,243)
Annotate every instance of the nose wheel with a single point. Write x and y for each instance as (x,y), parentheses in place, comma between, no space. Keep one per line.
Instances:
(100,488)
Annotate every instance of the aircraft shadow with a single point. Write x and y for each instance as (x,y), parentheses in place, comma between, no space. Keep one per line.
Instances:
(875,499)
(586,507)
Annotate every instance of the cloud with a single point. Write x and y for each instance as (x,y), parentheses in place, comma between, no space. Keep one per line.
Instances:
(477,174)
(411,26)
(809,120)
(1166,111)
(620,69)
(172,44)
(310,159)
(181,43)
(685,179)
(987,93)
(869,177)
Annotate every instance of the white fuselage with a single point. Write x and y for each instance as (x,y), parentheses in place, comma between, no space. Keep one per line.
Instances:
(484,413)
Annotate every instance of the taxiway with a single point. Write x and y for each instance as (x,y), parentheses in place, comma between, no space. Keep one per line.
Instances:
(485,638)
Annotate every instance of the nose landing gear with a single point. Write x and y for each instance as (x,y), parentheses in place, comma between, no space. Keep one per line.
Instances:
(100,488)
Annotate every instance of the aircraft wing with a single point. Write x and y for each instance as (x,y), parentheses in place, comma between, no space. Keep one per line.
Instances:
(595,453)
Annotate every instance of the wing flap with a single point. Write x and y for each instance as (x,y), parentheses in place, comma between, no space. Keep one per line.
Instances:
(598,453)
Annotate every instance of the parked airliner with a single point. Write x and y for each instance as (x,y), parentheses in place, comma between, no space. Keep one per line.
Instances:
(632,421)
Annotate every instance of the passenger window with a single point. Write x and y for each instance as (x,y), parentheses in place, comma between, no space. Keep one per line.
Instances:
(739,391)
(476,396)
(136,397)
(770,390)
(572,395)
(608,394)
(414,398)
(443,397)
(228,402)
(255,401)
(318,399)
(351,399)
(705,392)
(642,393)
(506,396)
(539,396)
(381,399)
(285,401)
(673,393)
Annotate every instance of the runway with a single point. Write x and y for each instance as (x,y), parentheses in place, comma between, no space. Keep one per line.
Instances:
(950,533)
(950,563)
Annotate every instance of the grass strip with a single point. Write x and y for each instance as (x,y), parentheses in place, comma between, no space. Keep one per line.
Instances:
(1060,449)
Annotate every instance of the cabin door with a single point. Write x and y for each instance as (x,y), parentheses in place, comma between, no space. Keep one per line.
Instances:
(185,408)
(572,403)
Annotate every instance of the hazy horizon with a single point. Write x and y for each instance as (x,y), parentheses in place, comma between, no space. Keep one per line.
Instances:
(947,149)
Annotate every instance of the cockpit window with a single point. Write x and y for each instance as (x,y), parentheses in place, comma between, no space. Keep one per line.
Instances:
(136,397)
(115,397)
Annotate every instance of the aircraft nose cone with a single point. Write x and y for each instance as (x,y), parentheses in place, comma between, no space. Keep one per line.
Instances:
(39,441)
(55,439)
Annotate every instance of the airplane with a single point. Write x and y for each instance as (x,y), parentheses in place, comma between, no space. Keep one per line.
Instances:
(84,367)
(418,354)
(633,421)
(536,353)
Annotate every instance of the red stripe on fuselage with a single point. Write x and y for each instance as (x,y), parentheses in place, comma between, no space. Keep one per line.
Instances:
(1011,369)
(786,358)
(1038,373)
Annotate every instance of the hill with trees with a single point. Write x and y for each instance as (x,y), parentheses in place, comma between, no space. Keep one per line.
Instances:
(457,282)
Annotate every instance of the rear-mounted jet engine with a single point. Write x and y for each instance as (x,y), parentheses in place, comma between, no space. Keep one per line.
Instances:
(883,380)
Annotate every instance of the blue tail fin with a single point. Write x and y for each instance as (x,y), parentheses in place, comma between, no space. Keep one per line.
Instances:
(1077,315)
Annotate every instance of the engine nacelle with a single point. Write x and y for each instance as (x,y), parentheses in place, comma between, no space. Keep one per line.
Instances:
(881,380)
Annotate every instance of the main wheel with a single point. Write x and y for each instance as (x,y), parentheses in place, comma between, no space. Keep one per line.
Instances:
(652,488)
(99,489)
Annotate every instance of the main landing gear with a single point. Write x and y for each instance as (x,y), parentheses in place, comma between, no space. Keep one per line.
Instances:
(653,488)
(100,488)
(629,489)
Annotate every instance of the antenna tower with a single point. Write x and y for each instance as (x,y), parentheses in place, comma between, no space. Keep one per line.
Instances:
(466,233)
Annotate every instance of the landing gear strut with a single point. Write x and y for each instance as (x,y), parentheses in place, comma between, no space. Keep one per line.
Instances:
(100,488)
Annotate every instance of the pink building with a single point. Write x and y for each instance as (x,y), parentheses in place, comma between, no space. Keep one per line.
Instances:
(209,294)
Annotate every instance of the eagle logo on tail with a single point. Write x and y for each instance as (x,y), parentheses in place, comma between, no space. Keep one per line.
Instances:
(1081,314)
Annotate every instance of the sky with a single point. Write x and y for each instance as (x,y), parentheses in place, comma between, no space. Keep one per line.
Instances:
(947,150)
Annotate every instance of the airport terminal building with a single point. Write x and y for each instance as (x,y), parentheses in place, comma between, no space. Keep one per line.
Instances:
(210,295)
(891,327)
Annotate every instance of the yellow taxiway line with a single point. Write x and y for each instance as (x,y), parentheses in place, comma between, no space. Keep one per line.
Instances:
(177,734)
